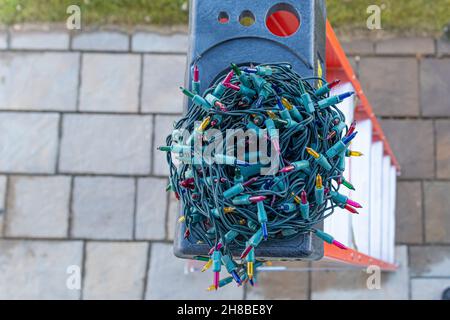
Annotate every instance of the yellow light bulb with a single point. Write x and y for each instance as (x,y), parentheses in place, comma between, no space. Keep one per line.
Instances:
(319,183)
(313,153)
(181,219)
(356,154)
(207,265)
(296,198)
(204,124)
(250,270)
(272,115)
(229,209)
(286,103)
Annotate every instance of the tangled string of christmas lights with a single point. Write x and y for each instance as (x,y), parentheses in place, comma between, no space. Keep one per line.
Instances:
(232,203)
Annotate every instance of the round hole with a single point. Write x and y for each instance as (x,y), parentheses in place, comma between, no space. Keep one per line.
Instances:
(283,20)
(247,18)
(223,17)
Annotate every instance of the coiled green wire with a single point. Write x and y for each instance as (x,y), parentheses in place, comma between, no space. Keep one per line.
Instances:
(312,131)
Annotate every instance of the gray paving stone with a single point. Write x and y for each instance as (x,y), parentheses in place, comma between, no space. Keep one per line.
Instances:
(437,212)
(358,46)
(163,127)
(443,148)
(110,82)
(103,144)
(389,93)
(38,269)
(354,62)
(443,47)
(3,181)
(28,142)
(154,42)
(435,85)
(3,186)
(163,75)
(285,285)
(164,267)
(101,41)
(406,46)
(429,261)
(173,214)
(40,40)
(3,40)
(151,209)
(103,208)
(2,221)
(38,207)
(115,270)
(351,285)
(39,81)
(409,223)
(402,46)
(412,142)
(428,289)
